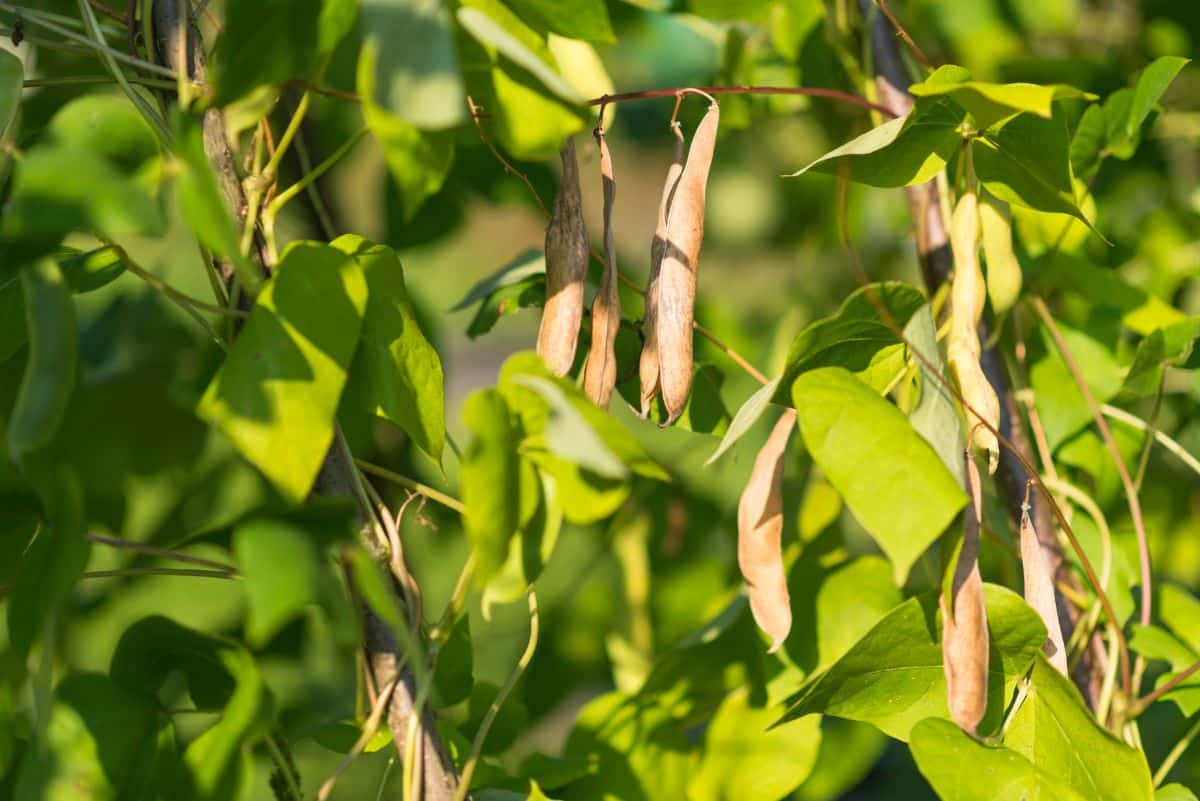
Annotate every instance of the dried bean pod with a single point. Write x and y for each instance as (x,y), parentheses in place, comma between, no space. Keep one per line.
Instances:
(648,365)
(1039,592)
(566,269)
(600,373)
(760,524)
(676,296)
(964,621)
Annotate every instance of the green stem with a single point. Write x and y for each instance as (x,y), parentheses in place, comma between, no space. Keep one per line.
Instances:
(486,725)
(162,553)
(158,571)
(1174,447)
(38,19)
(176,295)
(285,766)
(308,178)
(86,80)
(416,486)
(1144,459)
(140,103)
(1177,751)
(177,298)
(370,726)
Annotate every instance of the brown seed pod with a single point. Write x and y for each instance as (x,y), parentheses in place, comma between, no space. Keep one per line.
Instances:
(964,621)
(648,365)
(967,295)
(676,292)
(1039,591)
(566,269)
(600,373)
(760,524)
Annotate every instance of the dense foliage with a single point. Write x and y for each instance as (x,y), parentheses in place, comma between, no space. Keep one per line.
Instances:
(292,508)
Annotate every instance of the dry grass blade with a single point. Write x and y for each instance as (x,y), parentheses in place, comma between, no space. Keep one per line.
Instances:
(1039,591)
(566,269)
(600,373)
(648,365)
(967,296)
(964,622)
(676,293)
(760,524)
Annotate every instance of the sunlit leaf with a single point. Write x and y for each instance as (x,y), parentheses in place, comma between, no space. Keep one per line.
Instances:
(489,481)
(990,103)
(277,393)
(889,476)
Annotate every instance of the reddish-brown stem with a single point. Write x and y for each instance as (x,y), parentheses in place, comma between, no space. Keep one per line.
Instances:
(908,40)
(832,94)
(108,12)
(1131,493)
(1150,697)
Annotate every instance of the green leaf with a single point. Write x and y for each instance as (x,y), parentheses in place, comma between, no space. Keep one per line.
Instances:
(834,607)
(340,737)
(569,436)
(935,416)
(1060,404)
(529,292)
(452,675)
(1054,729)
(583,19)
(12,73)
(745,418)
(420,82)
(891,479)
(489,481)
(634,751)
(271,41)
(417,160)
(893,677)
(990,103)
(101,740)
(495,27)
(901,152)
(53,359)
(849,751)
(281,568)
(219,674)
(87,272)
(59,189)
(852,336)
(1166,346)
(201,203)
(744,758)
(703,413)
(535,414)
(396,373)
(1150,86)
(1026,161)
(1174,792)
(277,393)
(1087,145)
(949,758)
(108,125)
(54,561)
(526,263)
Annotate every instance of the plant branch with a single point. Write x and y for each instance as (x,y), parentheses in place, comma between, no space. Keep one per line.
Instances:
(833,94)
(486,725)
(908,40)
(423,489)
(1131,493)
(1149,698)
(1163,439)
(162,553)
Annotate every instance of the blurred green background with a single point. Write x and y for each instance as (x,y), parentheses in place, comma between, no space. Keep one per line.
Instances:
(772,262)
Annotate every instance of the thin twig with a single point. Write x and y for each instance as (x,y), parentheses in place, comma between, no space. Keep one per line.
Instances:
(1166,441)
(1131,494)
(159,571)
(1177,751)
(486,725)
(162,553)
(908,40)
(832,94)
(368,731)
(176,295)
(1166,687)
(416,486)
(108,12)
